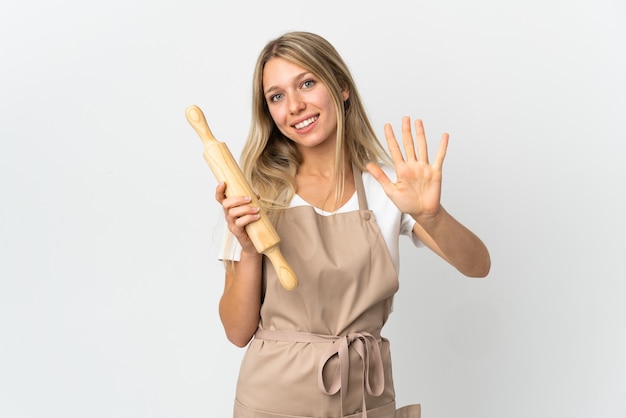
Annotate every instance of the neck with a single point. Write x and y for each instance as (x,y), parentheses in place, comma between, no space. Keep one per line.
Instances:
(321,165)
(318,184)
(319,160)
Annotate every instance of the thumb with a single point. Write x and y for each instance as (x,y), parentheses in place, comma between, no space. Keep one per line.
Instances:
(378,174)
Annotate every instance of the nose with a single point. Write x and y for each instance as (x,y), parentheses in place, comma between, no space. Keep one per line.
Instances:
(296,104)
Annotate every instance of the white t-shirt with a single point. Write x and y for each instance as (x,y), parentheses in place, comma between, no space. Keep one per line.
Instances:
(390,220)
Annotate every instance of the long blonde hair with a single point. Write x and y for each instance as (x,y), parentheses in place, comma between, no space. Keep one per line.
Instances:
(270,160)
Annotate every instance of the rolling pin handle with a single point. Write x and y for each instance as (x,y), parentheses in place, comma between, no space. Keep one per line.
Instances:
(286,276)
(198,122)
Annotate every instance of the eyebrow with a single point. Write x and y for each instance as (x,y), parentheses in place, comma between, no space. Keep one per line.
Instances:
(296,78)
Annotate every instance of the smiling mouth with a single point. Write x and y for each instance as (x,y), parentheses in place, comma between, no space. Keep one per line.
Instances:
(306,122)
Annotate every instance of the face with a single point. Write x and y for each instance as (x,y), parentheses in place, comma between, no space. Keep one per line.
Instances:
(300,104)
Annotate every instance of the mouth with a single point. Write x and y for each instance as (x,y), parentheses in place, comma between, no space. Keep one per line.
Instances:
(303,124)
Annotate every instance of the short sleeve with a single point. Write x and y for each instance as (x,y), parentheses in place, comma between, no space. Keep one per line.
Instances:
(230,250)
(406,228)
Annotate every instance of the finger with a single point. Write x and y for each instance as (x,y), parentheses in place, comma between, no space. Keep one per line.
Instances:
(379,175)
(235,201)
(245,220)
(441,151)
(237,212)
(392,144)
(220,191)
(420,138)
(407,139)
(238,217)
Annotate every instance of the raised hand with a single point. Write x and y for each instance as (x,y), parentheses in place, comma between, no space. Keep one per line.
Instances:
(417,190)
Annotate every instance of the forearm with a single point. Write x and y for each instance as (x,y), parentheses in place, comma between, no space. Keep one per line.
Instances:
(455,243)
(240,304)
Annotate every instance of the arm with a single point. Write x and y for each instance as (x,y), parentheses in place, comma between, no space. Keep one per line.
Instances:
(417,191)
(240,304)
(454,243)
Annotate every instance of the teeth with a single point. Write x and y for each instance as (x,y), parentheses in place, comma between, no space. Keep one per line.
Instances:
(305,123)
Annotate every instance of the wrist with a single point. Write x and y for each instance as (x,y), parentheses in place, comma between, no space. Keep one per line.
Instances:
(250,253)
(430,218)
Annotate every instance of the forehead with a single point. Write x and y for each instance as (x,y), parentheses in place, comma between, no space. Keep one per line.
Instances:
(279,71)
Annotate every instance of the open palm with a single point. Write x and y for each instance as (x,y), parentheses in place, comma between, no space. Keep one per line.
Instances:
(417,190)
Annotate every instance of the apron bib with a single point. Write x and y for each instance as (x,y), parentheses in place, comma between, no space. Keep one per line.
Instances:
(318,351)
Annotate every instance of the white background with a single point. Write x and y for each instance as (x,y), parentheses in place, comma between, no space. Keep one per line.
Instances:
(109,282)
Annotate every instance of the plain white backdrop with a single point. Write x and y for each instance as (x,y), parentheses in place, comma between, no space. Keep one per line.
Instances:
(109,231)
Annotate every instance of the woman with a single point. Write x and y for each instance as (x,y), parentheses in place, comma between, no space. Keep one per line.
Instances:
(326,182)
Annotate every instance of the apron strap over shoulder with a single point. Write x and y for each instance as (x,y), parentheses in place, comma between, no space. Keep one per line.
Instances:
(360,188)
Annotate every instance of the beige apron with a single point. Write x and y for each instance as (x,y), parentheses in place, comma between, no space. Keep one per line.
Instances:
(318,351)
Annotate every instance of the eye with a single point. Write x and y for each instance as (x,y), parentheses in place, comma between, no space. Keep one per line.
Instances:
(275,98)
(308,84)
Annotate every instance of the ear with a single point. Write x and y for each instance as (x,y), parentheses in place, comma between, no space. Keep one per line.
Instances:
(345,93)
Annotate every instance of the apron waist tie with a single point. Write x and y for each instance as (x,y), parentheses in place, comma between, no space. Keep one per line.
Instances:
(364,343)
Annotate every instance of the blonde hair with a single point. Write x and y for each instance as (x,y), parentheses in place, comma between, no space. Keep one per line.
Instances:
(270,160)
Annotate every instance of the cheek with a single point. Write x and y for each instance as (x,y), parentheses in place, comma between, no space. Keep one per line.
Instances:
(276,114)
(332,110)
(329,104)
(278,117)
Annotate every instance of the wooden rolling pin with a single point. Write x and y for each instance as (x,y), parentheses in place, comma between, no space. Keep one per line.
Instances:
(225,168)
